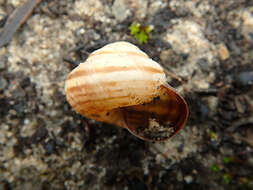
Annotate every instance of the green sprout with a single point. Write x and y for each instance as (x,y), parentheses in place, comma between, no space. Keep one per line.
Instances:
(226,178)
(212,135)
(139,32)
(227,160)
(215,168)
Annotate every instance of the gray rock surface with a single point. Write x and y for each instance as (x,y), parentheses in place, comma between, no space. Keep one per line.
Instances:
(206,50)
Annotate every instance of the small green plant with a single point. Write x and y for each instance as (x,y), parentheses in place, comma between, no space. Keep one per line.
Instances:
(215,168)
(226,178)
(212,135)
(227,160)
(139,32)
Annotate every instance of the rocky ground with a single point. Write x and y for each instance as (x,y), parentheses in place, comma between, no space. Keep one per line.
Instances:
(207,44)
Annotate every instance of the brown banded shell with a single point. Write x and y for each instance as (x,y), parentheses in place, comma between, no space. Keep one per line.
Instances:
(119,84)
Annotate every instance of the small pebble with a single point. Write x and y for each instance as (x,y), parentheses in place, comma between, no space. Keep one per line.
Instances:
(223,52)
(188,179)
(212,103)
(203,63)
(120,10)
(201,84)
(2,65)
(3,83)
(245,78)
(180,148)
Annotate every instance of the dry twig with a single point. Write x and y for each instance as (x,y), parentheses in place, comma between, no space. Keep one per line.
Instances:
(16,19)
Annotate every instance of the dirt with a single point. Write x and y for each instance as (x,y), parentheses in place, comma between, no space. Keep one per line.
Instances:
(206,48)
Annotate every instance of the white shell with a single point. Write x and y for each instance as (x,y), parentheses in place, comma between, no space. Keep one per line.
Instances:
(117,78)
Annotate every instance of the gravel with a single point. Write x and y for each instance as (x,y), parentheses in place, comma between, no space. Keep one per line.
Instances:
(207,45)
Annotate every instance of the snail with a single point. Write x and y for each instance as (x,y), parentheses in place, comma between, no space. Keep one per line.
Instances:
(119,84)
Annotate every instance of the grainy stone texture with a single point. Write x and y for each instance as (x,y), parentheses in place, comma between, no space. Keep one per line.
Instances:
(206,45)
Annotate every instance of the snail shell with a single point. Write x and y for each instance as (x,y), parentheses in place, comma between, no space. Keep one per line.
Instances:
(119,84)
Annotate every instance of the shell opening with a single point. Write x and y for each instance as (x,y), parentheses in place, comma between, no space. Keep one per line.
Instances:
(159,119)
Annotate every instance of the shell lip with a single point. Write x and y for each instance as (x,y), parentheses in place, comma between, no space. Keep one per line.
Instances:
(181,123)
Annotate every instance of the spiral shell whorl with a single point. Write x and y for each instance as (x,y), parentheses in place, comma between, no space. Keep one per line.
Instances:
(115,80)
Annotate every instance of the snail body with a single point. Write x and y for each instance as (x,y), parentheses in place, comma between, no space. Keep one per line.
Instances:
(119,84)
